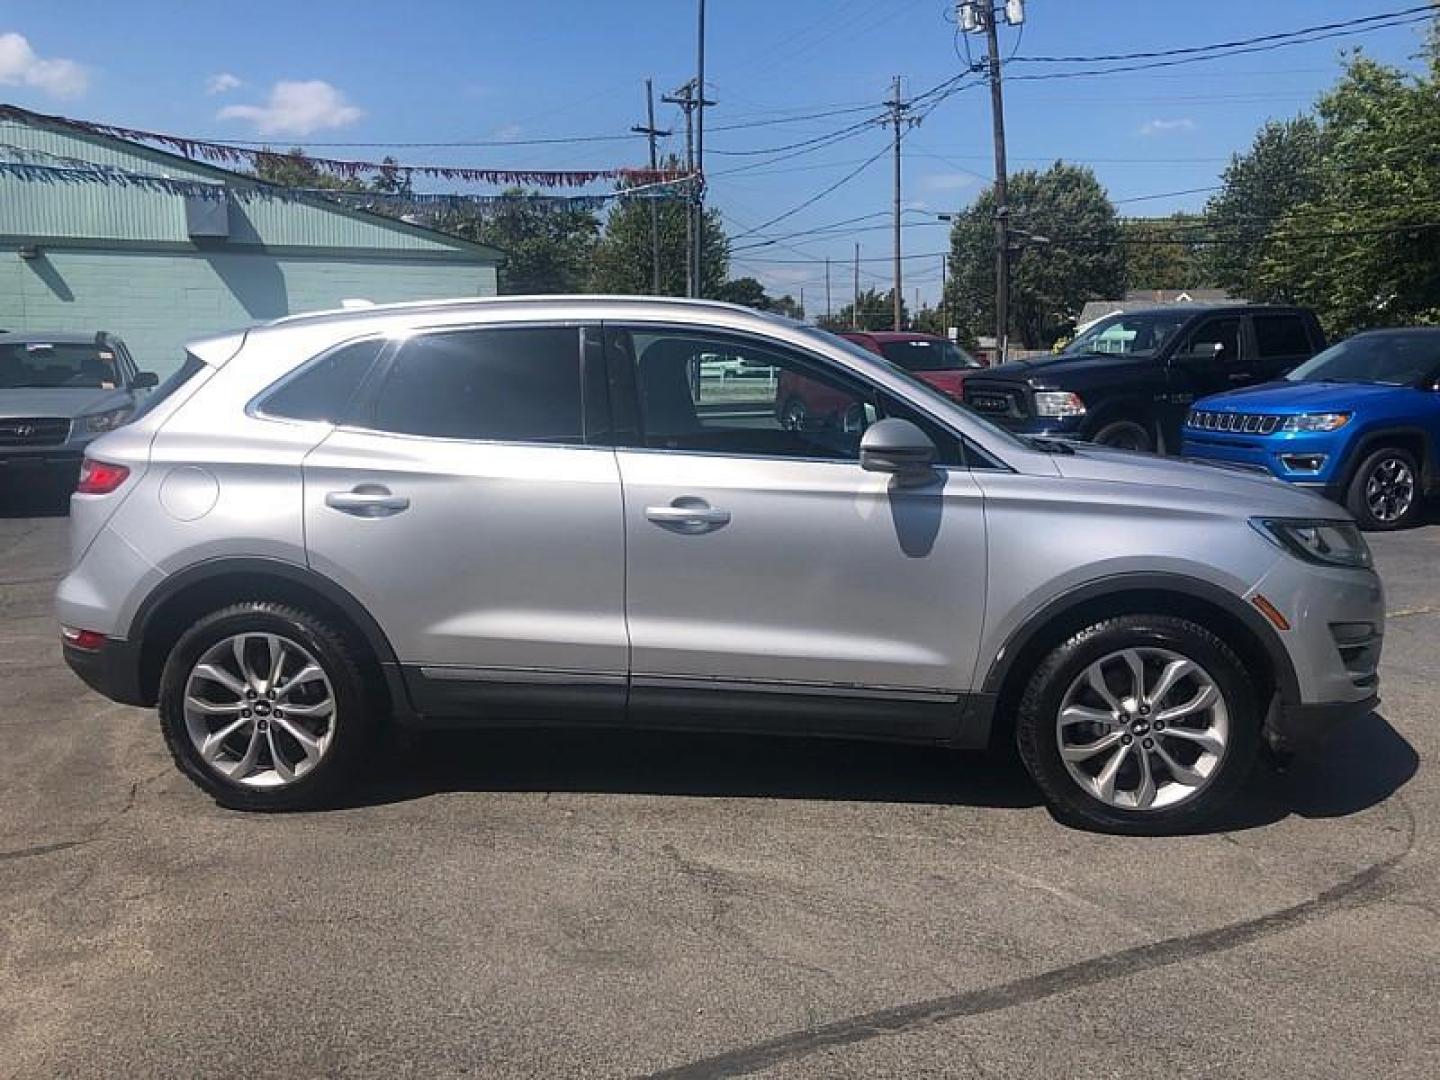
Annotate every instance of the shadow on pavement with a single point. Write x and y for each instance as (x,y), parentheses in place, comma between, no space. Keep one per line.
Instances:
(1365,763)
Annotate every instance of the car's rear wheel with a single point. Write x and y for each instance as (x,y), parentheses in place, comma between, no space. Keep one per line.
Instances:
(1139,724)
(1124,435)
(1384,493)
(265,707)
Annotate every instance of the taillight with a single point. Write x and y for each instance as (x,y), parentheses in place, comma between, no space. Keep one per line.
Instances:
(100,477)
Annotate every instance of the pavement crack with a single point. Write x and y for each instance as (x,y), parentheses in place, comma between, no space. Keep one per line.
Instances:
(1365,886)
(43,849)
(1405,613)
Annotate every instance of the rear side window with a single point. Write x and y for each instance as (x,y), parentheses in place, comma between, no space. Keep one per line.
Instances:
(507,385)
(324,390)
(1281,335)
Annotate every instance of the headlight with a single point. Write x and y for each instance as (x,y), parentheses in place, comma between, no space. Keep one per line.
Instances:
(1329,543)
(108,421)
(1320,421)
(1058,403)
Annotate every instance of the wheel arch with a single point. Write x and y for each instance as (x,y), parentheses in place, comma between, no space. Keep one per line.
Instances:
(183,597)
(1240,625)
(1409,437)
(1128,409)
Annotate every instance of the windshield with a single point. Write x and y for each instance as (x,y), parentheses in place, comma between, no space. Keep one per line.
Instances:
(1389,359)
(48,365)
(921,388)
(927,355)
(1141,334)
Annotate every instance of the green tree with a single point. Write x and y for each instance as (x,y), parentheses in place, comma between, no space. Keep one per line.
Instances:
(876,312)
(1161,253)
(1066,251)
(622,262)
(1345,246)
(549,246)
(294,168)
(747,291)
(788,306)
(1278,172)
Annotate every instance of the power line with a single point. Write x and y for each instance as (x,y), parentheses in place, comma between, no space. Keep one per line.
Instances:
(818,195)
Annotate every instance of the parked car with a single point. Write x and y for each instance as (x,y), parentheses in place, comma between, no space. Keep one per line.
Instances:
(1359,423)
(802,402)
(1129,380)
(514,510)
(57,392)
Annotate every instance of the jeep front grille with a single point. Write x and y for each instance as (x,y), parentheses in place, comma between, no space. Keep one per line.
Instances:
(1239,423)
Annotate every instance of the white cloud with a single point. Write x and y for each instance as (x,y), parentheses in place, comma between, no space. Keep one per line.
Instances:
(297,108)
(509,131)
(222,83)
(950,181)
(1165,127)
(20,66)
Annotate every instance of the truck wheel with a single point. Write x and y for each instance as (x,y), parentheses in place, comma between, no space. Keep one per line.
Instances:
(1124,435)
(1384,493)
(1142,724)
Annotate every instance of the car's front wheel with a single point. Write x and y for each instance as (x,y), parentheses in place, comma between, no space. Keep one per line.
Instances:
(265,707)
(1385,490)
(1139,724)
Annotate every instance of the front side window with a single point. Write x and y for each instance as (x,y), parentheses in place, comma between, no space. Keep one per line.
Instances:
(325,389)
(506,384)
(726,395)
(1224,332)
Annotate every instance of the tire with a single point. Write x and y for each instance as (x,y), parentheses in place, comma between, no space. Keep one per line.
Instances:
(1124,435)
(1210,778)
(1385,492)
(195,706)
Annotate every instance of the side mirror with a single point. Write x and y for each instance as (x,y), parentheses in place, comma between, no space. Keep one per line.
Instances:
(145,380)
(900,448)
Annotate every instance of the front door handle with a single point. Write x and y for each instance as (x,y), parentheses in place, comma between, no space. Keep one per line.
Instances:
(367,500)
(688,514)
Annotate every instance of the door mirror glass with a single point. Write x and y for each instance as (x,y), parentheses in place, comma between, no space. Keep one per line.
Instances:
(899,448)
(145,380)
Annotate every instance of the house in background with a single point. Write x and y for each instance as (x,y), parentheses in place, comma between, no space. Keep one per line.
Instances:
(1138,299)
(98,233)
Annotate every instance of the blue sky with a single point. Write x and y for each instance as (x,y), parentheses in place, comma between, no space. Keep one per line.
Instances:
(312,71)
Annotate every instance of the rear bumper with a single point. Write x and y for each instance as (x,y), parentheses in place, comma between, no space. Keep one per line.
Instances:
(113,670)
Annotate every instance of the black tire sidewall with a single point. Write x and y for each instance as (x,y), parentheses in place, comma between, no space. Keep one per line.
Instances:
(1038,739)
(353,719)
(1355,500)
(1124,425)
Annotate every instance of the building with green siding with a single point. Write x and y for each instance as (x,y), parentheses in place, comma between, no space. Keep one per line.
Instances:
(197,251)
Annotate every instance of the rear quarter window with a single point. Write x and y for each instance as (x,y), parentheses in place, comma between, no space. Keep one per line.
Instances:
(324,389)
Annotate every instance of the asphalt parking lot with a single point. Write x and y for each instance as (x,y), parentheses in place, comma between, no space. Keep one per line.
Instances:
(562,904)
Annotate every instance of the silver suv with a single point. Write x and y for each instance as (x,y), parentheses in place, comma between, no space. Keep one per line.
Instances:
(554,510)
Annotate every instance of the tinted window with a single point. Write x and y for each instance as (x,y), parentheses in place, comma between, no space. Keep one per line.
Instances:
(1222,331)
(922,355)
(46,364)
(323,390)
(1399,359)
(1281,335)
(1141,334)
(509,385)
(728,395)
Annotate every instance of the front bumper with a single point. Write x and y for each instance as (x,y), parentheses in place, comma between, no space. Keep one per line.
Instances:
(1311,460)
(1305,729)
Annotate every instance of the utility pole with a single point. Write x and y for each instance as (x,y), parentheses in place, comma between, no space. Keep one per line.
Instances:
(698,187)
(979,15)
(685,98)
(651,132)
(855,306)
(944,296)
(802,303)
(897,117)
(827,288)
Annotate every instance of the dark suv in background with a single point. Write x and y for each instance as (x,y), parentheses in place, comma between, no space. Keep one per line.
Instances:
(1129,379)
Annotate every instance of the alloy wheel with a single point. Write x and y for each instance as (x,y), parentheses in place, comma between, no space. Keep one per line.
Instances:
(1390,489)
(259,709)
(1143,729)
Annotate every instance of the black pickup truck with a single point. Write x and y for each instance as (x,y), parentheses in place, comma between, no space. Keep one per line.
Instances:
(1129,379)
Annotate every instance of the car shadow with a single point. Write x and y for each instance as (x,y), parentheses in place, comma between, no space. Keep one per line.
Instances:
(1366,762)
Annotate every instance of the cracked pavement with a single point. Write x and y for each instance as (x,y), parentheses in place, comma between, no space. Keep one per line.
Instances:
(590,904)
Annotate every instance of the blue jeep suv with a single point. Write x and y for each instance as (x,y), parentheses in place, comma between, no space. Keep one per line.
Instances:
(1359,422)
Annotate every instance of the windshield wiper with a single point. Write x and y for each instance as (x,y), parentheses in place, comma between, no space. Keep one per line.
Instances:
(1048,446)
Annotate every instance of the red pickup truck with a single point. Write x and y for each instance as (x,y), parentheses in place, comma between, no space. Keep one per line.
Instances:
(801,402)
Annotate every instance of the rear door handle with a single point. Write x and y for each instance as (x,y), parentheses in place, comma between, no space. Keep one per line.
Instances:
(367,500)
(688,514)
